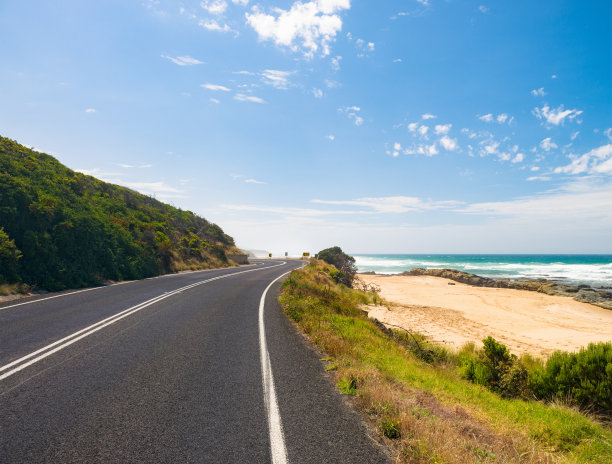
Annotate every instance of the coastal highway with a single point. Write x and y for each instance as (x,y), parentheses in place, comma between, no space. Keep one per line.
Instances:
(197,367)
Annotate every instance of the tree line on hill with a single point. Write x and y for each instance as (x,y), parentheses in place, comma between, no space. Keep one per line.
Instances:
(62,229)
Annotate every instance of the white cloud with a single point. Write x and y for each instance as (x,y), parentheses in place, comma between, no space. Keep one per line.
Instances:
(502,118)
(538,92)
(215,87)
(157,189)
(596,161)
(395,204)
(351,112)
(90,110)
(519,158)
(335,62)
(486,118)
(547,144)
(542,178)
(422,149)
(330,137)
(139,166)
(215,7)
(412,127)
(214,100)
(183,60)
(253,181)
(483,9)
(213,25)
(248,98)
(427,116)
(423,131)
(318,93)
(276,78)
(575,134)
(607,132)
(397,60)
(422,2)
(241,2)
(555,116)
(448,144)
(573,203)
(311,26)
(442,129)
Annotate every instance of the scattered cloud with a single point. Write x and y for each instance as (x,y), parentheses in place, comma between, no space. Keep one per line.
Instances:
(183,60)
(556,116)
(216,87)
(538,92)
(394,204)
(500,118)
(276,78)
(241,2)
(596,161)
(213,25)
(427,116)
(330,137)
(397,60)
(351,112)
(318,93)
(90,110)
(547,144)
(248,98)
(139,166)
(448,144)
(575,134)
(310,27)
(215,7)
(483,9)
(442,129)
(335,63)
(254,181)
(518,158)
(541,178)
(214,100)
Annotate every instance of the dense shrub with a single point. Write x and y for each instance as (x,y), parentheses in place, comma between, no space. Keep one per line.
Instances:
(583,378)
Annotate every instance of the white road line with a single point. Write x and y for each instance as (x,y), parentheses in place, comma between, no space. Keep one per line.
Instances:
(76,336)
(278,450)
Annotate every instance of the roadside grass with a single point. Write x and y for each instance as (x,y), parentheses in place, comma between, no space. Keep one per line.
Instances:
(14,289)
(417,399)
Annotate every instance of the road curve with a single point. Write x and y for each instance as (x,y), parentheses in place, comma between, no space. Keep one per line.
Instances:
(170,369)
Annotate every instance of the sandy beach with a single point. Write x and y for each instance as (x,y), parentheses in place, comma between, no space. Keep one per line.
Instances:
(453,313)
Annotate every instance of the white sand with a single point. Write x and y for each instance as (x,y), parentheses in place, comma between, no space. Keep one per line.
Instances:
(526,322)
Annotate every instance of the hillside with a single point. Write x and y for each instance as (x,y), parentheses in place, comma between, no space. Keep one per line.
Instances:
(62,229)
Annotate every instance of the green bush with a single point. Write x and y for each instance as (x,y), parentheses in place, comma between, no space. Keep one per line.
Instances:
(585,378)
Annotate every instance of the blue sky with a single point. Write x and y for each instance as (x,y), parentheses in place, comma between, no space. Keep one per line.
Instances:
(431,126)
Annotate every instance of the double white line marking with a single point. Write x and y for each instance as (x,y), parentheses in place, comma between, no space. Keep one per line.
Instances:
(38,355)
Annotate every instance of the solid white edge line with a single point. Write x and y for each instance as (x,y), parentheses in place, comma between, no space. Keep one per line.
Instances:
(70,339)
(278,450)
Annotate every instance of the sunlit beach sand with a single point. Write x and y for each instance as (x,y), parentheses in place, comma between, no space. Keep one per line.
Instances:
(454,313)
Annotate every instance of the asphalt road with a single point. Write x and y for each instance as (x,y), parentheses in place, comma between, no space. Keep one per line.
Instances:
(194,367)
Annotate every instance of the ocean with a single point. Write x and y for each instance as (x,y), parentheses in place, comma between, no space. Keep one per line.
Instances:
(594,270)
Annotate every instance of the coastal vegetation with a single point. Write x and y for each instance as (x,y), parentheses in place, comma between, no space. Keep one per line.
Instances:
(62,229)
(419,395)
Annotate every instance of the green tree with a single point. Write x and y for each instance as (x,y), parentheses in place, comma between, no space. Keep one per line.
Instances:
(9,259)
(343,262)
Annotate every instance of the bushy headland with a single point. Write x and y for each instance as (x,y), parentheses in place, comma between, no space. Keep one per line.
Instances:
(62,229)
(431,404)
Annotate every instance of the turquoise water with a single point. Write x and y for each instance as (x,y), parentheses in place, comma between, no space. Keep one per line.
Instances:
(595,270)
